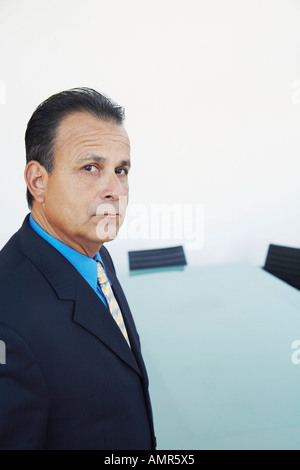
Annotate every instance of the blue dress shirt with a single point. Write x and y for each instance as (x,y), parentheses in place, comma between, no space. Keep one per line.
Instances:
(85,265)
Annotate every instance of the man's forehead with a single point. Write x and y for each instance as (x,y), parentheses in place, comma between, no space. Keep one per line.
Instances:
(82,127)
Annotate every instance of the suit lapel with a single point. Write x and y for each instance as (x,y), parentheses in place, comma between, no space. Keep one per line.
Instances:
(89,312)
(129,322)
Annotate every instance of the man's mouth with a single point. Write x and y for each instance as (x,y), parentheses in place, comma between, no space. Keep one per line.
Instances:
(109,211)
(108,214)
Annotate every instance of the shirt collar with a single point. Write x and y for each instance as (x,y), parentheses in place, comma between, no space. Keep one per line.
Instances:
(85,265)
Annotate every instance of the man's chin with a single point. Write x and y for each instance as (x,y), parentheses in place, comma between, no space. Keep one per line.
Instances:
(106,232)
(106,240)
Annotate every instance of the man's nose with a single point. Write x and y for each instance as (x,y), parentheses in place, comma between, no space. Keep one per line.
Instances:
(110,187)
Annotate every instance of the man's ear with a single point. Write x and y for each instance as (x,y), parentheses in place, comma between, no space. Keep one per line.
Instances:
(36,178)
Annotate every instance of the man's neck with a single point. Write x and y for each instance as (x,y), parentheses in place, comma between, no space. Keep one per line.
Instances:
(89,250)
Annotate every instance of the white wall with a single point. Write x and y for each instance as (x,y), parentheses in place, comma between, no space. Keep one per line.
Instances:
(212,94)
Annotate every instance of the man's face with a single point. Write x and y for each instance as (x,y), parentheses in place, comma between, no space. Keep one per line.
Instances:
(87,192)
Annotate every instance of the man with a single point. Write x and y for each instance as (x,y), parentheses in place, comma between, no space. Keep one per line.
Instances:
(74,377)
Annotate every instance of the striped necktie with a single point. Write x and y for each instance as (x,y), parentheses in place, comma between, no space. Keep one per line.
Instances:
(111,300)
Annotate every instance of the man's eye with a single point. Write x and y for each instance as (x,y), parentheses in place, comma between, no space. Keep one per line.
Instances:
(122,171)
(90,168)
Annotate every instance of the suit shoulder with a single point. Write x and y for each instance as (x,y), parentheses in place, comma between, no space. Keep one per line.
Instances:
(10,258)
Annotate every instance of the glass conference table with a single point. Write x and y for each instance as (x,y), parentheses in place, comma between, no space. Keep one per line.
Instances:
(217,342)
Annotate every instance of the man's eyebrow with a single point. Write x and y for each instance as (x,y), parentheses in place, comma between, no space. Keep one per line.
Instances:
(88,158)
(125,163)
(96,158)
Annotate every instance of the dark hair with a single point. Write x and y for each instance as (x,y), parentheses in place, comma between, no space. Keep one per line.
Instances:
(44,123)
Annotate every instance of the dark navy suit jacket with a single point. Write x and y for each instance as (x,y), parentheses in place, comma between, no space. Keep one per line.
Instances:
(70,380)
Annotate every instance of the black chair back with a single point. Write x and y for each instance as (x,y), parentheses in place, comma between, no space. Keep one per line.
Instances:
(284,263)
(157,258)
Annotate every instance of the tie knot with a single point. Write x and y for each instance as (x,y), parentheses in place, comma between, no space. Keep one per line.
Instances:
(101,276)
